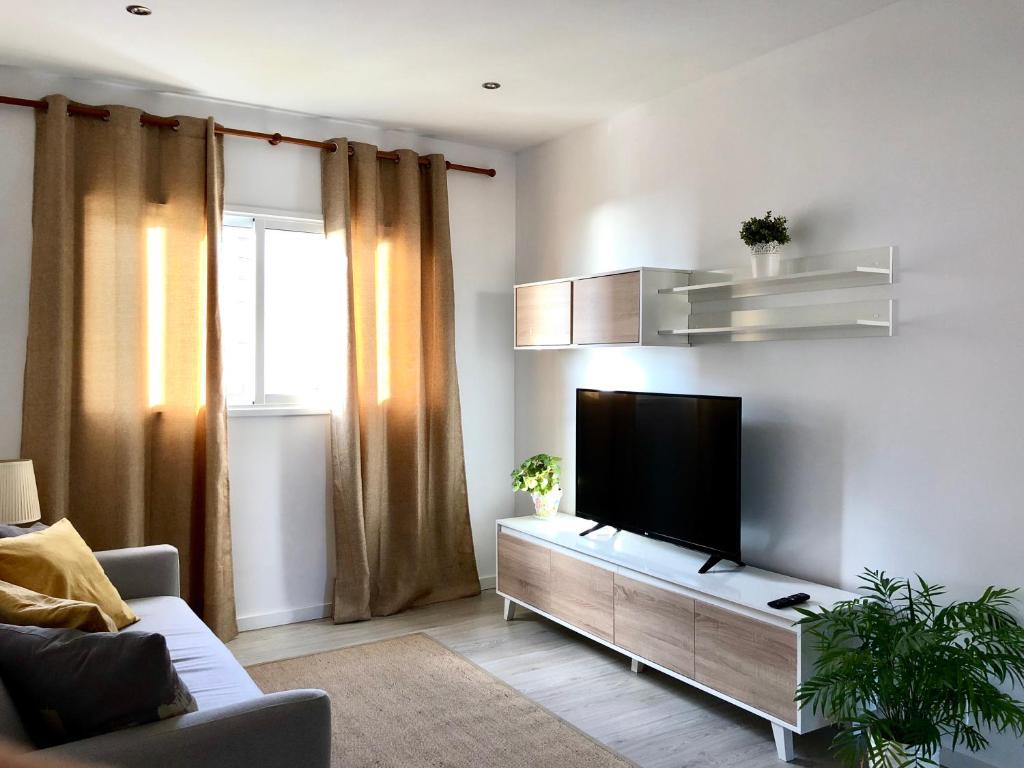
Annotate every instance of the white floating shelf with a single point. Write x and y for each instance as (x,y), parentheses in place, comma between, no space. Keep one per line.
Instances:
(851,269)
(780,327)
(859,318)
(836,278)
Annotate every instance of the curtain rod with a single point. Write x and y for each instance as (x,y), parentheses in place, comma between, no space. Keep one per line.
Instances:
(272,138)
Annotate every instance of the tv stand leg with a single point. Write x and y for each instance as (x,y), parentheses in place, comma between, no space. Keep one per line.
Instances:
(715,560)
(510,610)
(783,742)
(592,528)
(711,563)
(636,666)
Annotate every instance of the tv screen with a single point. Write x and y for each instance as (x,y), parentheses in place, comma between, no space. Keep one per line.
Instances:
(665,466)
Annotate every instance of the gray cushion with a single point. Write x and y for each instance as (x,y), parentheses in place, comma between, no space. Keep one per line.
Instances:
(69,685)
(11,728)
(8,531)
(213,676)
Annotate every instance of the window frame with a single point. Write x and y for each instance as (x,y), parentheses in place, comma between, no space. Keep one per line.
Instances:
(273,404)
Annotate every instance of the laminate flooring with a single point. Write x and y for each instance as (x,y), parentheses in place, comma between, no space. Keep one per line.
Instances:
(650,718)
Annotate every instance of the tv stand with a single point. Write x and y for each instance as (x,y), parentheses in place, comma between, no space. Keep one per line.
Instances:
(715,560)
(644,599)
(596,527)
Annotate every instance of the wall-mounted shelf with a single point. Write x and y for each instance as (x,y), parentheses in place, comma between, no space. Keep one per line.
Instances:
(664,307)
(782,327)
(852,269)
(858,318)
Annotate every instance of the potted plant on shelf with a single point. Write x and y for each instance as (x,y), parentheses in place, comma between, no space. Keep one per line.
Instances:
(898,673)
(765,237)
(540,476)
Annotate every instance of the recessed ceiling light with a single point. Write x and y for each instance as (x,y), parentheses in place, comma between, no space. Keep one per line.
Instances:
(138,10)
(490,85)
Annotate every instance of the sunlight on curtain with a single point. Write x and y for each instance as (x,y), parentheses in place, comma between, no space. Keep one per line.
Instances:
(156,312)
(382,304)
(201,319)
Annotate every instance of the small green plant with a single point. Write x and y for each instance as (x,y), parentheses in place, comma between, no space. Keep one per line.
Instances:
(538,474)
(770,229)
(896,668)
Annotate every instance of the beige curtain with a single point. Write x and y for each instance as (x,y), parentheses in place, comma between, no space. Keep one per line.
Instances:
(124,414)
(402,529)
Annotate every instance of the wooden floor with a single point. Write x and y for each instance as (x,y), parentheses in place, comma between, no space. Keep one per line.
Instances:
(652,719)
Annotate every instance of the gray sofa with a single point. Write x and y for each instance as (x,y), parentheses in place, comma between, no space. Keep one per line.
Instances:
(236,724)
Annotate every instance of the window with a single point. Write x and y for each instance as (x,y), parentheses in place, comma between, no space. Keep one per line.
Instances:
(282,311)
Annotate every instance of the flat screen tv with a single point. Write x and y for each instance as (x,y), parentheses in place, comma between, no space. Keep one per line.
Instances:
(663,466)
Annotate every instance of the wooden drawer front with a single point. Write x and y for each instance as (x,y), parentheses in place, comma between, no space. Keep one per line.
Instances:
(654,623)
(606,310)
(544,314)
(749,660)
(581,594)
(524,570)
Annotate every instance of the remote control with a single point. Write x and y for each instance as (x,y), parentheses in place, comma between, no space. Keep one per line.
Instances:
(789,602)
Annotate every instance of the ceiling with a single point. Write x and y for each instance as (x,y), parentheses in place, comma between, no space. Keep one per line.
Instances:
(416,64)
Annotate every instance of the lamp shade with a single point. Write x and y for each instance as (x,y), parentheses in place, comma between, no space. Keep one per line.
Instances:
(19,499)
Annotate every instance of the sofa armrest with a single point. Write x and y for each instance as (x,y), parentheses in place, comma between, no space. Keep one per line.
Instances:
(143,571)
(279,730)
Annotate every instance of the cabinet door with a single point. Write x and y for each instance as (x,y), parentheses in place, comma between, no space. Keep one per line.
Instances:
(654,623)
(751,661)
(524,570)
(544,314)
(581,594)
(606,310)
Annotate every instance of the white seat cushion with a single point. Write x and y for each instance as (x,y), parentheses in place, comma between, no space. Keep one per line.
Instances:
(205,665)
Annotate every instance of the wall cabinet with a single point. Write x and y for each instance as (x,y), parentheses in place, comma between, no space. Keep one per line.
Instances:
(676,307)
(615,308)
(606,310)
(544,314)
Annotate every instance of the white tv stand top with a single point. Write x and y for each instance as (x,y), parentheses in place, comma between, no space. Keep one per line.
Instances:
(746,586)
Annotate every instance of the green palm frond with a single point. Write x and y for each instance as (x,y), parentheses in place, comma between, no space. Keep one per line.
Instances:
(896,665)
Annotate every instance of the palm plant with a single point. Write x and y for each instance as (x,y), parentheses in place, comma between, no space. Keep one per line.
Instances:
(896,668)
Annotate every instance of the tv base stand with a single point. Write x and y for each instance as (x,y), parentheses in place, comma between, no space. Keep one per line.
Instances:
(715,560)
(596,527)
(644,598)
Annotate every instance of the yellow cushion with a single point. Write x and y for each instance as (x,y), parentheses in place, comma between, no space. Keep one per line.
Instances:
(57,562)
(31,609)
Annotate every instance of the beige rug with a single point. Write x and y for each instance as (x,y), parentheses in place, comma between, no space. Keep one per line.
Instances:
(412,702)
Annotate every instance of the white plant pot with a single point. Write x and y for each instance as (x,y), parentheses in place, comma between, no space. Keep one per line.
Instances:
(546,504)
(905,756)
(766,259)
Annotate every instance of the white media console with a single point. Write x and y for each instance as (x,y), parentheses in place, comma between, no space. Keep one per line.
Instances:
(645,599)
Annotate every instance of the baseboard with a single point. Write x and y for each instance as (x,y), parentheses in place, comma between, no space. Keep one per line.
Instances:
(277,618)
(951,759)
(313,612)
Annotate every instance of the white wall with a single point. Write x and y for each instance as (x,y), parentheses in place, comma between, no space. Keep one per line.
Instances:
(903,128)
(278,464)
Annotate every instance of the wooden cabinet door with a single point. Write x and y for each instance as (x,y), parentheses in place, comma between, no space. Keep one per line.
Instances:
(606,310)
(654,623)
(751,661)
(544,314)
(524,570)
(581,594)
